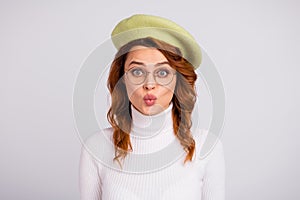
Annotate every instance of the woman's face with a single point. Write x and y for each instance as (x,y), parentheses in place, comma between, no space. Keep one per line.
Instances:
(150,80)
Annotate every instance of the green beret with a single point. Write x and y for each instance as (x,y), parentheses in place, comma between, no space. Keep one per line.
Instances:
(142,26)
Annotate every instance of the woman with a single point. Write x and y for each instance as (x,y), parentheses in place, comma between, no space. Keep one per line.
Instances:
(151,82)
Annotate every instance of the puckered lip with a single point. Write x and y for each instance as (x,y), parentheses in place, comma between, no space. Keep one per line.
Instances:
(150,97)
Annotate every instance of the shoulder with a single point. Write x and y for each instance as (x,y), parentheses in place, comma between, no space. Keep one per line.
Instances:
(207,144)
(98,137)
(100,144)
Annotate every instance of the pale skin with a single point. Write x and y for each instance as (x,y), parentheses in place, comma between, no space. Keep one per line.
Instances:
(150,59)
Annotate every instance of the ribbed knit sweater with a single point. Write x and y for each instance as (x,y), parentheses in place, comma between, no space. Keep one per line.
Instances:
(154,169)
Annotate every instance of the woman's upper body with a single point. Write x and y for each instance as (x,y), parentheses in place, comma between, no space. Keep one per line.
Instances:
(202,178)
(150,151)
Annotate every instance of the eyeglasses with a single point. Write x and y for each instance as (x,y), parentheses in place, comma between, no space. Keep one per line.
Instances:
(162,75)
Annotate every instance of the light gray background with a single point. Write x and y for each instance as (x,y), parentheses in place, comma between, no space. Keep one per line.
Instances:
(254,44)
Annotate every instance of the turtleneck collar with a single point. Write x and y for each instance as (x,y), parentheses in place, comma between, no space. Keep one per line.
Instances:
(145,126)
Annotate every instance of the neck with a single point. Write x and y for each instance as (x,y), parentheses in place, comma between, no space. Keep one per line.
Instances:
(145,126)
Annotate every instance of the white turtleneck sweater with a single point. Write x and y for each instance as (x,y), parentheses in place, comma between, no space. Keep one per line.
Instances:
(154,169)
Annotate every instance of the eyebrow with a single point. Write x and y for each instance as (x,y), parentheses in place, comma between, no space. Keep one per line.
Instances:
(141,63)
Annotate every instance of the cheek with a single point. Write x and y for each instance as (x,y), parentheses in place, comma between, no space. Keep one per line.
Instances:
(168,92)
(169,95)
(170,89)
(132,91)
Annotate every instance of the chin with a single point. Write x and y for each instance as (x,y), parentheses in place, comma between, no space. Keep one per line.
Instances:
(146,110)
(152,110)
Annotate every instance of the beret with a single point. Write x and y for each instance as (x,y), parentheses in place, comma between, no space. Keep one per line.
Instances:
(141,26)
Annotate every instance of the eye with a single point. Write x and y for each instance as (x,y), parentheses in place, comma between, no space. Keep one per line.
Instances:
(161,73)
(137,72)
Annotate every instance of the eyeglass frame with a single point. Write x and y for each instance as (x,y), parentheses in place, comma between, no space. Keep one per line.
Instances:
(154,77)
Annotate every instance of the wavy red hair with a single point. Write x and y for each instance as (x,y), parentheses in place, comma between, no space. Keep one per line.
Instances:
(119,114)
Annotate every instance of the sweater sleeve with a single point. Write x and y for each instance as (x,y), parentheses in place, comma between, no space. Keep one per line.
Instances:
(214,178)
(89,179)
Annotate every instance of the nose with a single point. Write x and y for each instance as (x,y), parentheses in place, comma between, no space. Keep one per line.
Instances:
(149,82)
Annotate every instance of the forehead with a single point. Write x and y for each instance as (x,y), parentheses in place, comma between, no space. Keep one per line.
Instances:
(145,55)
